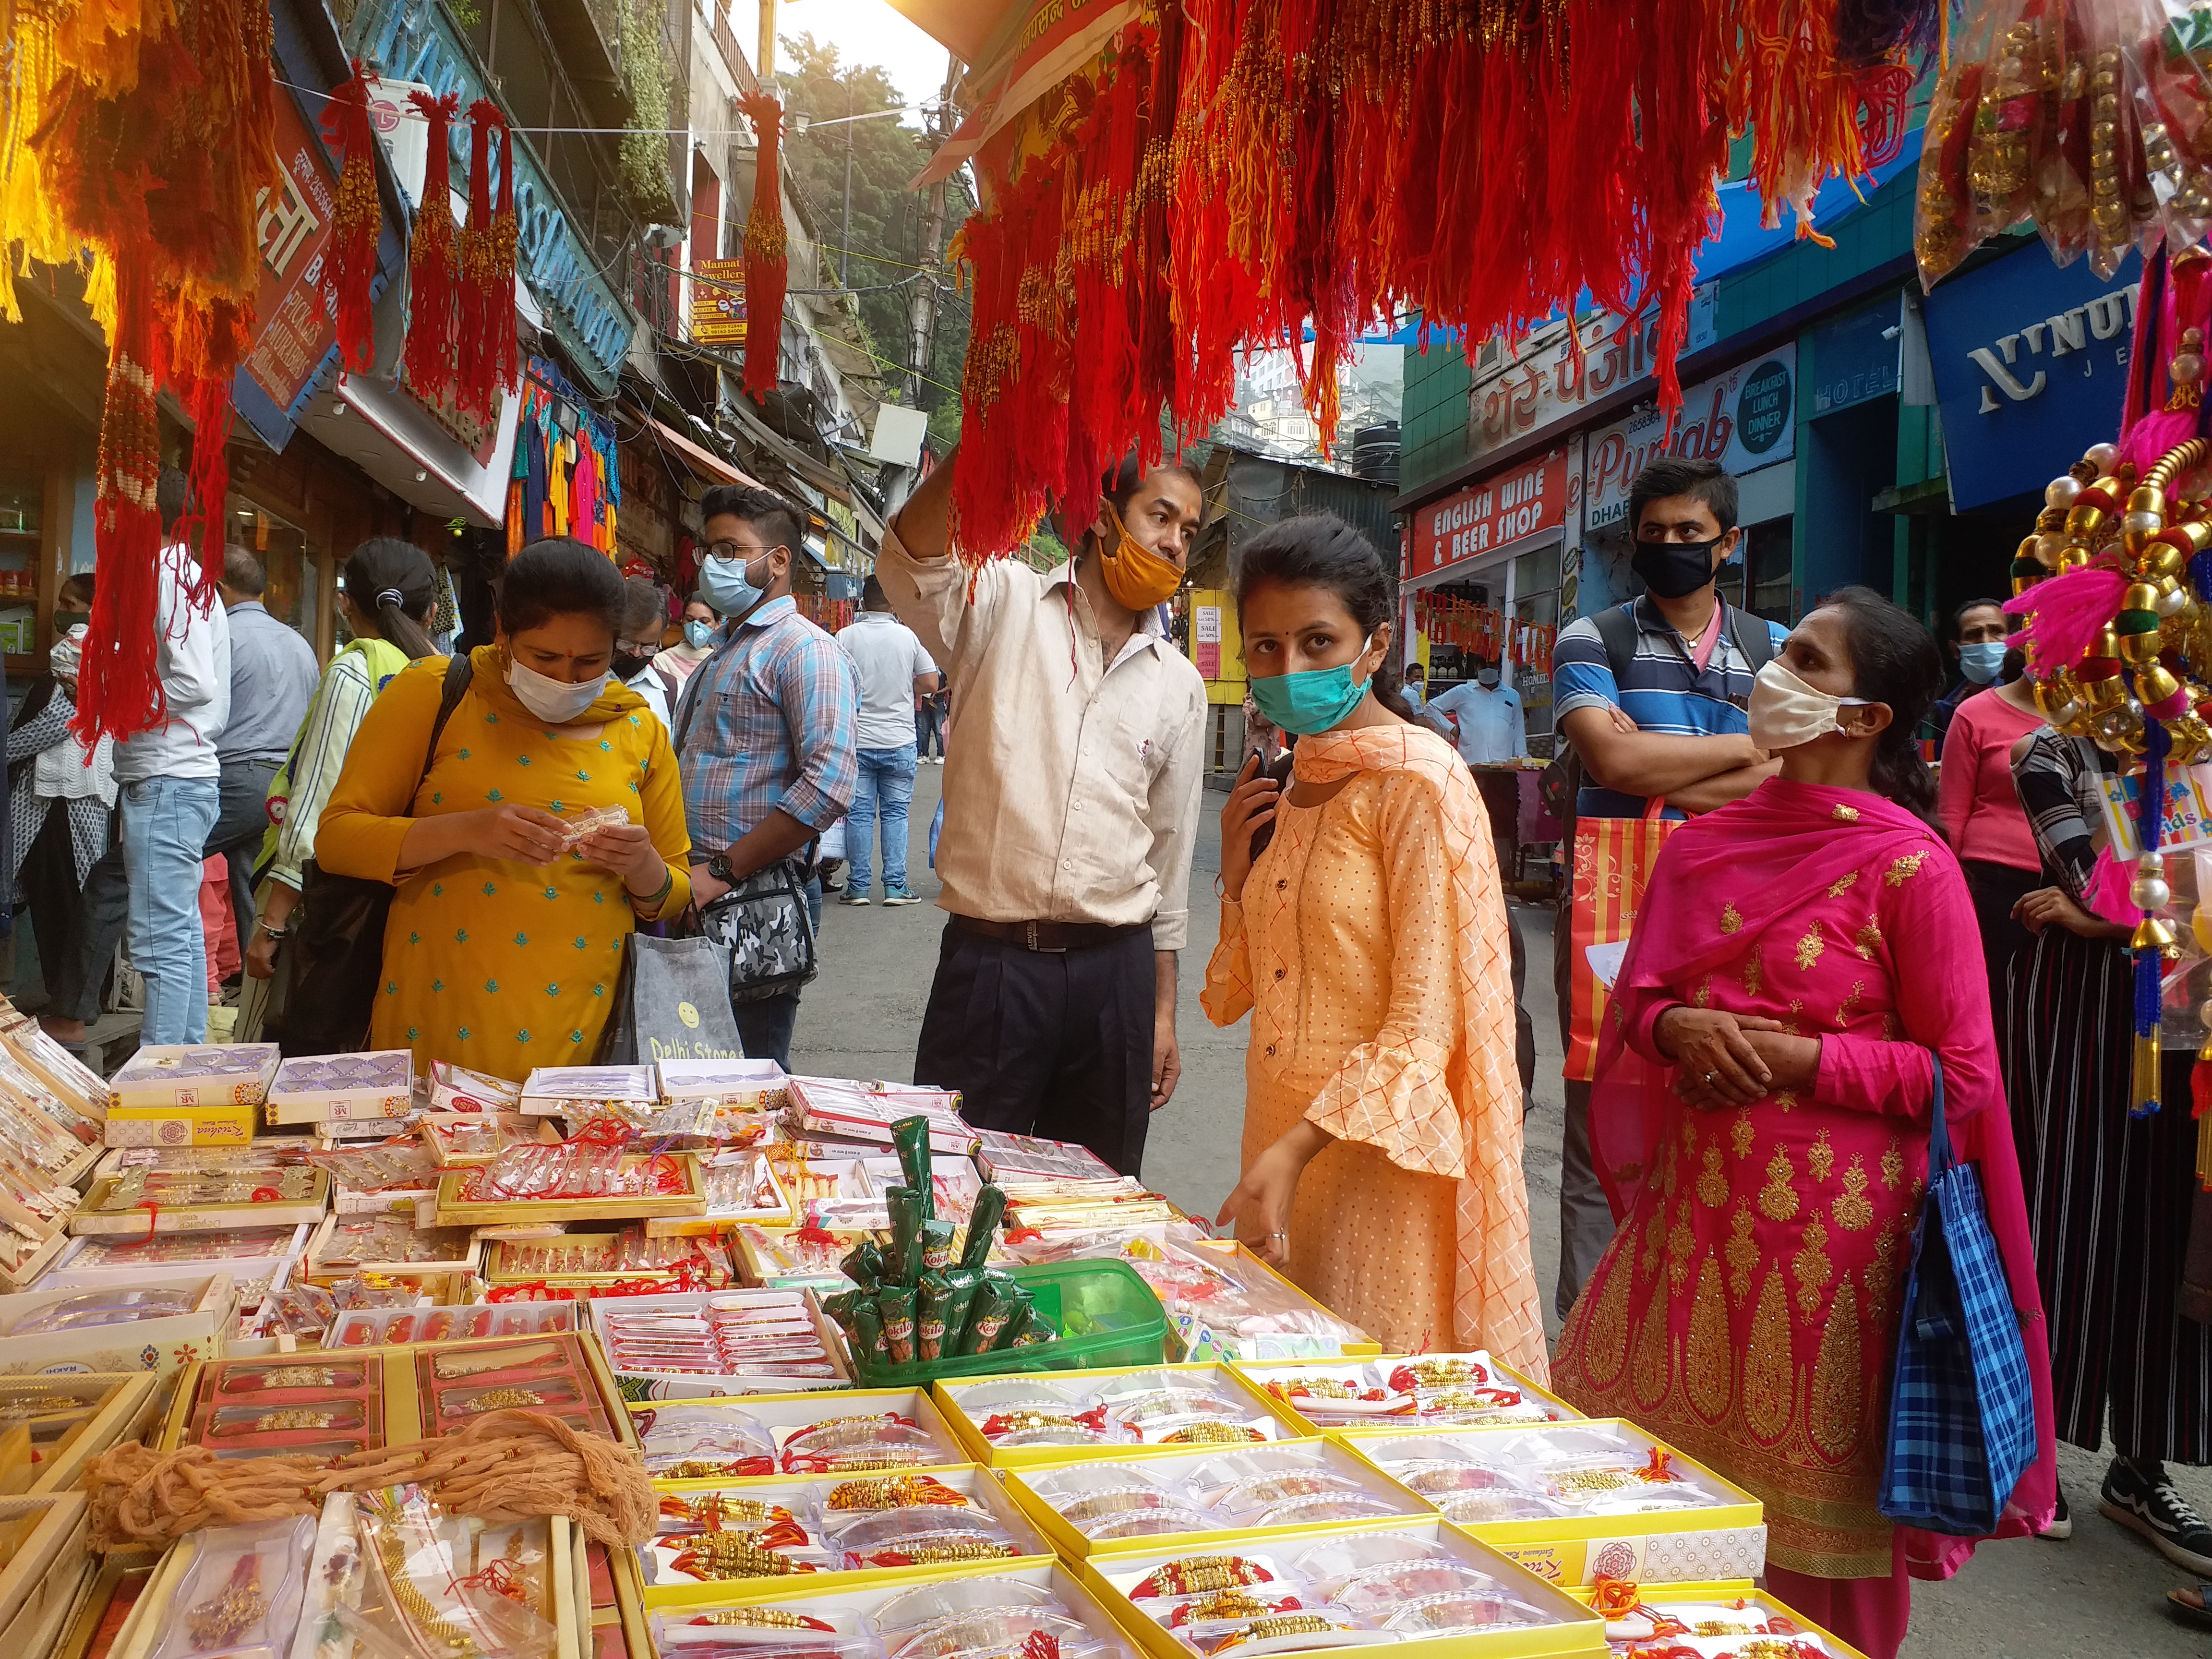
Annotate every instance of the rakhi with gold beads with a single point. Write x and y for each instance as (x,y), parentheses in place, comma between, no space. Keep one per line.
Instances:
(931,1549)
(719,1555)
(1190,1575)
(897,1492)
(762,1619)
(1213,1432)
(1231,1604)
(709,1512)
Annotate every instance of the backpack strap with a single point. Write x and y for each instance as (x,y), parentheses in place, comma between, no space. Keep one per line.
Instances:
(1617,632)
(1752,638)
(459,673)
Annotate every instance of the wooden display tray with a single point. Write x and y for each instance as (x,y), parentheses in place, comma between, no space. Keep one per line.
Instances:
(39,1588)
(122,1406)
(89,1218)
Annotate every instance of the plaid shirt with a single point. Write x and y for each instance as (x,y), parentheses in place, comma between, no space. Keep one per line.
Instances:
(766,723)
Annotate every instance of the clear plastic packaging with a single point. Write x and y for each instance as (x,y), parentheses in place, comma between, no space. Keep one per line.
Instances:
(699,1442)
(115,1307)
(928,1536)
(883,1442)
(241,1595)
(998,1631)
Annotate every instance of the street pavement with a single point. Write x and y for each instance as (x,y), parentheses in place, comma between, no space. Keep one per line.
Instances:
(2101,1593)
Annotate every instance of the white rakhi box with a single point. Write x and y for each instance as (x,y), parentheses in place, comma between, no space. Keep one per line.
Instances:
(194,1074)
(91,1329)
(582,1092)
(318,1088)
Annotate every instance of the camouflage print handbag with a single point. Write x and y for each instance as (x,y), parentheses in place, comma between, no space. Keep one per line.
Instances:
(764,923)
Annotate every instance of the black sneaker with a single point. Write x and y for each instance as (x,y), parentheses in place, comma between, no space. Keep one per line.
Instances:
(2062,1524)
(2147,1503)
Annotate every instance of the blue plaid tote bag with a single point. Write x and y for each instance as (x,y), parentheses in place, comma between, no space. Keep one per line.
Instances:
(1961,1414)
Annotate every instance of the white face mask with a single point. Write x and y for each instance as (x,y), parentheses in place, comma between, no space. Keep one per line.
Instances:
(1786,712)
(554,702)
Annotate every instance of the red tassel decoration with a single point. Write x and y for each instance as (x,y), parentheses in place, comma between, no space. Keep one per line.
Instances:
(119,689)
(505,238)
(207,486)
(766,262)
(433,259)
(487,308)
(358,222)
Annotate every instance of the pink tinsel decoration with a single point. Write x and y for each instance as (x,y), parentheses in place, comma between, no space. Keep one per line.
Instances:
(2065,615)
(2106,895)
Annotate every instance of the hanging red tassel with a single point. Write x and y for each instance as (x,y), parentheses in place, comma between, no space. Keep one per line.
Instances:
(358,222)
(485,307)
(119,689)
(207,486)
(433,259)
(767,264)
(505,238)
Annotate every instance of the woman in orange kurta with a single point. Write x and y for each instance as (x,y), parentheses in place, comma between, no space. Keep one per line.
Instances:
(1368,941)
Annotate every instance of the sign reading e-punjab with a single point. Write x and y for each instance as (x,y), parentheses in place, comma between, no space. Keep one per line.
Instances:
(1744,419)
(1510,506)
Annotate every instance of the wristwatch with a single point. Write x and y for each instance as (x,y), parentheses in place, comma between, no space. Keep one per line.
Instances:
(718,867)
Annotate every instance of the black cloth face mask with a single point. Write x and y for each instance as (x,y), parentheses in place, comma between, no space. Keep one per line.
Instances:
(1674,569)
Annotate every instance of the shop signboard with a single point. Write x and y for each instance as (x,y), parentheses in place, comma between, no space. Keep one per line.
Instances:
(1857,358)
(718,302)
(1745,419)
(1545,382)
(299,330)
(1510,506)
(1206,640)
(2030,362)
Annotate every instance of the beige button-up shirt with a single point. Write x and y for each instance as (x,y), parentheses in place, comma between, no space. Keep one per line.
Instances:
(1071,784)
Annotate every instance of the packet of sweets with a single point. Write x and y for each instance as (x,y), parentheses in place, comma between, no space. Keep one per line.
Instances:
(937,1245)
(944,1315)
(932,1298)
(983,1222)
(1018,1321)
(1039,1329)
(910,1135)
(902,1257)
(839,1309)
(863,1264)
(895,1302)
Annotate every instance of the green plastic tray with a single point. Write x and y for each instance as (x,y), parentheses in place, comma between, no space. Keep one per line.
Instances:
(1108,1317)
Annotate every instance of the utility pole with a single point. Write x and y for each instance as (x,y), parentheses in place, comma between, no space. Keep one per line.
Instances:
(765,69)
(924,312)
(845,242)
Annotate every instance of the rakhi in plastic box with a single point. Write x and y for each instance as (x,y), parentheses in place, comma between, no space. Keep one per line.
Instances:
(1038,1416)
(457,1090)
(79,1087)
(1003,1158)
(851,1431)
(1195,1495)
(745,1086)
(1576,1502)
(194,1074)
(317,1087)
(1424,1388)
(829,1531)
(1307,1588)
(718,1343)
(1731,1620)
(741,1185)
(584,1260)
(345,1245)
(372,1328)
(139,1200)
(865,1111)
(582,1093)
(256,1257)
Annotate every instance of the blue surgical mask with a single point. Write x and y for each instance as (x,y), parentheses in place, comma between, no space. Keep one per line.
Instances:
(728,586)
(698,634)
(1982,660)
(1313,700)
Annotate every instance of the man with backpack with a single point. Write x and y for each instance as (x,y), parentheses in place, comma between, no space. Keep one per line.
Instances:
(1652,694)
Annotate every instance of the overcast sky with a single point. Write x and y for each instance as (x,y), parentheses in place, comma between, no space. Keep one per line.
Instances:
(864,32)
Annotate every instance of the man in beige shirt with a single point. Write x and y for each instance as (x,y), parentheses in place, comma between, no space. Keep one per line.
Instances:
(1071,800)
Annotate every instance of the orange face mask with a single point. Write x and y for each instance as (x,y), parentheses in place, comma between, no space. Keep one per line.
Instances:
(1135,575)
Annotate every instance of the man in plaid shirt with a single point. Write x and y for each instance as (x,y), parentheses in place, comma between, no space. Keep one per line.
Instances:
(766,724)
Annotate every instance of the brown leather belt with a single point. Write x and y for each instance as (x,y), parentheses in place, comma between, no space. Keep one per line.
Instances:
(1050,935)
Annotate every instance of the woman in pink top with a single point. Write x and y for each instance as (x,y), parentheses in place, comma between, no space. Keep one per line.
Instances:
(1981,818)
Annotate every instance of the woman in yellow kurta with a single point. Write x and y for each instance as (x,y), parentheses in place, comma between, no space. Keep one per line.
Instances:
(1369,942)
(503,950)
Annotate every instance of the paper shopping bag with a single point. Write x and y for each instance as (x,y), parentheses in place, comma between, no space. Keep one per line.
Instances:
(1614,859)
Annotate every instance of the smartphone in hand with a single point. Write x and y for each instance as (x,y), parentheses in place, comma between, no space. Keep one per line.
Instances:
(1280,769)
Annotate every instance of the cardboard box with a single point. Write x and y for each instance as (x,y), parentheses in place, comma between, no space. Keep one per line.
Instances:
(1274,1376)
(1577,1634)
(227,1125)
(460,1202)
(249,1257)
(785,1415)
(161,1346)
(24,1270)
(865,1111)
(92,1216)
(1279,1422)
(328,1258)
(797,1495)
(1030,1487)
(1721,1541)
(1729,1601)
(639,1383)
(317,1087)
(745,1167)
(581,1091)
(456,1088)
(72,1418)
(167,1074)
(759,1085)
(39,1588)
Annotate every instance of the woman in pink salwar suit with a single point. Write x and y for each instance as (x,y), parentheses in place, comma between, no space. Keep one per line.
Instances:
(1801,959)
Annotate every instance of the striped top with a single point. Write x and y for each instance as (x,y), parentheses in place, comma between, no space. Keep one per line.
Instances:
(1662,690)
(2060,782)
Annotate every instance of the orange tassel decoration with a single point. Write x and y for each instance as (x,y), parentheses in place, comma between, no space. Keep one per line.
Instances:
(487,247)
(358,222)
(433,259)
(767,262)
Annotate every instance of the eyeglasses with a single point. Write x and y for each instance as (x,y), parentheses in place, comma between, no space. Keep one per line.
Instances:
(735,550)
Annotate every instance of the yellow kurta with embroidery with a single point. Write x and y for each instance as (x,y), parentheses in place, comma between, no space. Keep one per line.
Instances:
(490,963)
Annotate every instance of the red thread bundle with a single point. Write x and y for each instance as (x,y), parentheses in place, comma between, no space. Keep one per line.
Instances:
(434,259)
(767,259)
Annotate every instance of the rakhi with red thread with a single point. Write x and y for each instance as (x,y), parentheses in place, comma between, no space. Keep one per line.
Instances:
(434,259)
(486,356)
(358,221)
(767,256)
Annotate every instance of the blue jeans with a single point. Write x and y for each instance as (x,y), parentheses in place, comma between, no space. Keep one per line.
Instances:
(165,823)
(886,774)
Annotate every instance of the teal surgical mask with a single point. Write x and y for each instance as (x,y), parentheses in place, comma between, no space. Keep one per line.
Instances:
(1312,700)
(698,634)
(1982,660)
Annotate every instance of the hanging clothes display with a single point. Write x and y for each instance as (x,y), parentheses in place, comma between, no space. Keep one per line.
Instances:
(564,481)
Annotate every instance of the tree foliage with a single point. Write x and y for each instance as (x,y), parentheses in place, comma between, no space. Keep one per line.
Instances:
(882,256)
